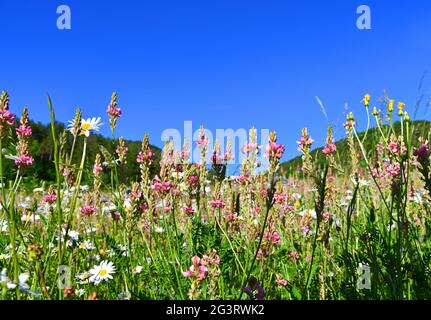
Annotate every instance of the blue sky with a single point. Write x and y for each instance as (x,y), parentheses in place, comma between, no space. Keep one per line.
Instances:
(224,64)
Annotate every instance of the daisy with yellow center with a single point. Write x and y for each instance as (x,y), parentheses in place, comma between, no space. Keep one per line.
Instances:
(91,124)
(102,272)
(86,245)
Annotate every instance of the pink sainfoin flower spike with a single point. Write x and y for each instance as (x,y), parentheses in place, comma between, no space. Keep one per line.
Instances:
(305,141)
(162,186)
(281,282)
(393,170)
(329,148)
(145,156)
(23,131)
(249,147)
(423,152)
(185,152)
(6,117)
(88,210)
(23,158)
(274,150)
(393,146)
(189,211)
(294,255)
(273,237)
(197,270)
(97,169)
(203,142)
(51,196)
(113,111)
(217,203)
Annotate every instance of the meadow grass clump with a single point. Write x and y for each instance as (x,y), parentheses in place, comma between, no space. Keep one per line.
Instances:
(191,231)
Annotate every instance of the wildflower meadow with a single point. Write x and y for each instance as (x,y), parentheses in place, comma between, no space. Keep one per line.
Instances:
(350,223)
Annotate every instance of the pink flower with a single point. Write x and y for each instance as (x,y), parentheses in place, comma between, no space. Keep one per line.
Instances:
(196,271)
(193,180)
(281,281)
(143,207)
(230,217)
(7,117)
(294,255)
(217,203)
(305,229)
(23,131)
(114,112)
(228,156)
(97,169)
(273,237)
(185,153)
(249,147)
(326,215)
(162,186)
(117,216)
(279,198)
(305,141)
(50,197)
(329,148)
(189,273)
(202,273)
(135,195)
(242,178)
(274,150)
(379,148)
(393,170)
(393,146)
(24,160)
(203,142)
(422,152)
(348,124)
(145,157)
(88,210)
(189,211)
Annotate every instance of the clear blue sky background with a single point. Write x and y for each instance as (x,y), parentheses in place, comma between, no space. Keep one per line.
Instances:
(225,64)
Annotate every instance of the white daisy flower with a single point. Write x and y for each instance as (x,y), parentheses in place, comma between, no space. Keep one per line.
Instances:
(91,124)
(86,245)
(308,212)
(30,217)
(83,278)
(102,272)
(137,269)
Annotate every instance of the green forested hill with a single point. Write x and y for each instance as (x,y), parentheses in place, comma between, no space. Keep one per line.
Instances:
(420,128)
(41,148)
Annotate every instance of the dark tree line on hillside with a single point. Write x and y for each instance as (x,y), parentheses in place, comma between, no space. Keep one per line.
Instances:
(41,148)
